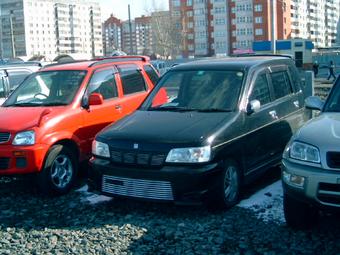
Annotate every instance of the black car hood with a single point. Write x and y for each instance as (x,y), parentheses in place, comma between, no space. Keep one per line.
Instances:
(190,128)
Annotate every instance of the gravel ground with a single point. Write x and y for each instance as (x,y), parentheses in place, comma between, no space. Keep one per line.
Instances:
(33,224)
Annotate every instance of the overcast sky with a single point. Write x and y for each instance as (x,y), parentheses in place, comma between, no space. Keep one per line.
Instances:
(119,8)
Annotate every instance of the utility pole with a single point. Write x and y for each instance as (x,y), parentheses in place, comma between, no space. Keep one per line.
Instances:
(130,30)
(12,33)
(273,9)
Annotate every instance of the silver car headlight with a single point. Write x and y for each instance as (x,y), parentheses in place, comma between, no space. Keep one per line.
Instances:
(189,155)
(24,138)
(100,149)
(304,152)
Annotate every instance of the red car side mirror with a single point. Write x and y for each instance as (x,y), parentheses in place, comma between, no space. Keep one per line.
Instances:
(96,99)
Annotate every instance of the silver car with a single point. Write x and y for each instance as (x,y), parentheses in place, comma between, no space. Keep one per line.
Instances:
(11,75)
(311,164)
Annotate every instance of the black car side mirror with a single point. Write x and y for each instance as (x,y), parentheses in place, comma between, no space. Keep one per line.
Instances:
(314,103)
(253,106)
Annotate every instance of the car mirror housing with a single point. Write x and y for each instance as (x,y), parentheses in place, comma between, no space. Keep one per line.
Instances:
(253,106)
(96,99)
(314,103)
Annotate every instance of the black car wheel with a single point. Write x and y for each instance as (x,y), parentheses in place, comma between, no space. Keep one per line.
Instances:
(298,215)
(226,193)
(59,171)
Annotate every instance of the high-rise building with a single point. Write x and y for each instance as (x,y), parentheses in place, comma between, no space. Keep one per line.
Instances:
(50,28)
(144,38)
(214,27)
(316,20)
(112,35)
(129,37)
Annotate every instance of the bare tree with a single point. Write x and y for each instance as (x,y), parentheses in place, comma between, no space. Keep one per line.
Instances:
(167,32)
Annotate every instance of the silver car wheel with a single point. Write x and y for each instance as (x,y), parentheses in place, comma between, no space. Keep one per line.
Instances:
(61,171)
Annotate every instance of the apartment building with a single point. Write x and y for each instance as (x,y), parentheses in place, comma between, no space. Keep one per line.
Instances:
(144,37)
(112,35)
(50,28)
(316,20)
(129,44)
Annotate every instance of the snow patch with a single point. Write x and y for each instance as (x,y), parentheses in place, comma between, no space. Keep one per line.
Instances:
(92,198)
(267,203)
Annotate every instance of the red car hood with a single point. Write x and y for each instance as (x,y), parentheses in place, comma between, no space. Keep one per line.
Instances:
(21,118)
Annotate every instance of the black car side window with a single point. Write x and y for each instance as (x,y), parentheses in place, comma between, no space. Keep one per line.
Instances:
(261,90)
(104,83)
(281,84)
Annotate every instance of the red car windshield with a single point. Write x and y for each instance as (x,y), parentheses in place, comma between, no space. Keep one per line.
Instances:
(49,88)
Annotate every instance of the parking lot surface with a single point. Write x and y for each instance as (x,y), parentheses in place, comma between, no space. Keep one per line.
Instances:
(84,223)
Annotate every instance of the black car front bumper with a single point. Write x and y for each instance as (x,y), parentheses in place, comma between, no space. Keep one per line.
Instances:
(180,184)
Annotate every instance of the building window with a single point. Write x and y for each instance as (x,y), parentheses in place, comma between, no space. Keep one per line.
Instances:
(176,3)
(259,31)
(258,7)
(258,20)
(189,2)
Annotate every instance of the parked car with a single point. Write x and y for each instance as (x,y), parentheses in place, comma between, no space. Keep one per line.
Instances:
(221,124)
(49,122)
(11,75)
(311,164)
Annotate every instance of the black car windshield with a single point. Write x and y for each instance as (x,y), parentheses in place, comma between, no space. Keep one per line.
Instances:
(50,88)
(199,90)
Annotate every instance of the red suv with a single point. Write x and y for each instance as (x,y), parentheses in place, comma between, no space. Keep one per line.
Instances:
(49,122)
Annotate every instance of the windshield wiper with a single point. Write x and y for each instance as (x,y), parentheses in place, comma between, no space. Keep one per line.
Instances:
(214,110)
(54,104)
(172,108)
(23,104)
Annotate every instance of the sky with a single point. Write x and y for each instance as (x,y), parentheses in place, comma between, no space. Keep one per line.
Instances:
(119,8)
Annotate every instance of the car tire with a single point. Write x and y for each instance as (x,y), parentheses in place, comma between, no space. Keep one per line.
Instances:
(59,171)
(298,215)
(226,192)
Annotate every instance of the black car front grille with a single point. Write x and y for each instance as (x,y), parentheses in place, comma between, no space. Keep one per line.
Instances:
(4,137)
(137,158)
(4,163)
(329,193)
(333,159)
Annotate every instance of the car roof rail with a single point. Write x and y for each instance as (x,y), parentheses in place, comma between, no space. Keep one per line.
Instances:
(66,62)
(114,59)
(262,55)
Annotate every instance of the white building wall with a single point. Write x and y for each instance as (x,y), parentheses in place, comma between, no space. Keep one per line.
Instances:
(54,27)
(244,24)
(221,27)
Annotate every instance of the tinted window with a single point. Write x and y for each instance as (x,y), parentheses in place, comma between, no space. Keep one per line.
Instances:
(295,77)
(151,74)
(281,84)
(261,90)
(104,83)
(197,90)
(47,88)
(16,77)
(132,79)
(2,87)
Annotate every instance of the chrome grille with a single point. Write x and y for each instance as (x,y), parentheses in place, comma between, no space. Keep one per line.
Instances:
(150,189)
(4,137)
(137,158)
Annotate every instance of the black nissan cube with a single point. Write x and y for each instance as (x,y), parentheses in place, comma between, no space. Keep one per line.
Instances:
(206,129)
